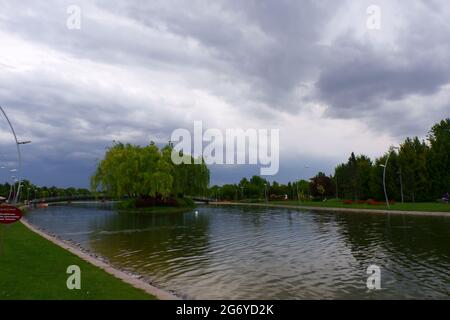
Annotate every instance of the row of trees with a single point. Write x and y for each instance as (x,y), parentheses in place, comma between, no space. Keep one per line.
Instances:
(30,191)
(259,188)
(139,172)
(420,170)
(417,171)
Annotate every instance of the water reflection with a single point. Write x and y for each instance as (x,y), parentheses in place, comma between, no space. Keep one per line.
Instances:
(413,252)
(266,253)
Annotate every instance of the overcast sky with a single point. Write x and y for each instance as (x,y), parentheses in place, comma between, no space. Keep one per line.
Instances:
(137,70)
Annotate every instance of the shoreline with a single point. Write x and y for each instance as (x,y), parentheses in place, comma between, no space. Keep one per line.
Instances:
(134,280)
(338,210)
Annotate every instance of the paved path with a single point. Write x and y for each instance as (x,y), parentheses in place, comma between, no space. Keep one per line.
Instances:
(345,210)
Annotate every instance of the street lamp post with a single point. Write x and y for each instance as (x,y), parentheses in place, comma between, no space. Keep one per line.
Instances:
(10,193)
(12,187)
(337,193)
(15,180)
(309,191)
(401,185)
(18,143)
(391,149)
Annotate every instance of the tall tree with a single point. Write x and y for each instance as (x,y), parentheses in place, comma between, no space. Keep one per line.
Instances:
(439,160)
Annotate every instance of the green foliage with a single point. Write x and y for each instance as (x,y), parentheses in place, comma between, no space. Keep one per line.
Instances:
(303,189)
(127,204)
(148,171)
(253,189)
(185,202)
(29,191)
(413,169)
(439,158)
(421,168)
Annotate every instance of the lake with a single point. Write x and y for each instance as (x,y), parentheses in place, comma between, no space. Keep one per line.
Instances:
(226,252)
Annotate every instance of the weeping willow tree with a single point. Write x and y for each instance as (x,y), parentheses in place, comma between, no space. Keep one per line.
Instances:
(137,171)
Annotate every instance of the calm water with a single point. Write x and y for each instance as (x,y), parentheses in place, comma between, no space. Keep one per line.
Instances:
(260,253)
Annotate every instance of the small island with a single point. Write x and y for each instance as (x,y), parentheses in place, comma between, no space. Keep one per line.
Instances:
(147,180)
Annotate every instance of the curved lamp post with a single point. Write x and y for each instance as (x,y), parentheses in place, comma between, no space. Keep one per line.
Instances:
(391,149)
(309,192)
(19,156)
(10,192)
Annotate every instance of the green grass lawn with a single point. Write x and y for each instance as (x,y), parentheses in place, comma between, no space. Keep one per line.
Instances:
(32,267)
(420,206)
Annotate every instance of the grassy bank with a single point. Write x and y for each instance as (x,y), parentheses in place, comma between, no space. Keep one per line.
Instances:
(167,210)
(32,267)
(179,205)
(421,206)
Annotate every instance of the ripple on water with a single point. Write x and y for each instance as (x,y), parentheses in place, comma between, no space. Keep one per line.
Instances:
(260,253)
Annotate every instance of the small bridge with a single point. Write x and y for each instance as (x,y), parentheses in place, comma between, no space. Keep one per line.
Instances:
(72,198)
(201,199)
(99,199)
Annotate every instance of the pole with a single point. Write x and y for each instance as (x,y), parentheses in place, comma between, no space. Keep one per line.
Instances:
(384,179)
(337,193)
(18,152)
(401,185)
(10,193)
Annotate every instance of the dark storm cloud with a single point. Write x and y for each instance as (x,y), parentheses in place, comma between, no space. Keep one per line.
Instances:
(377,83)
(357,86)
(355,78)
(272,45)
(263,58)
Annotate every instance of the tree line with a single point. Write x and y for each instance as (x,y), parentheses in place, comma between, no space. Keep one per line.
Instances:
(29,191)
(417,171)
